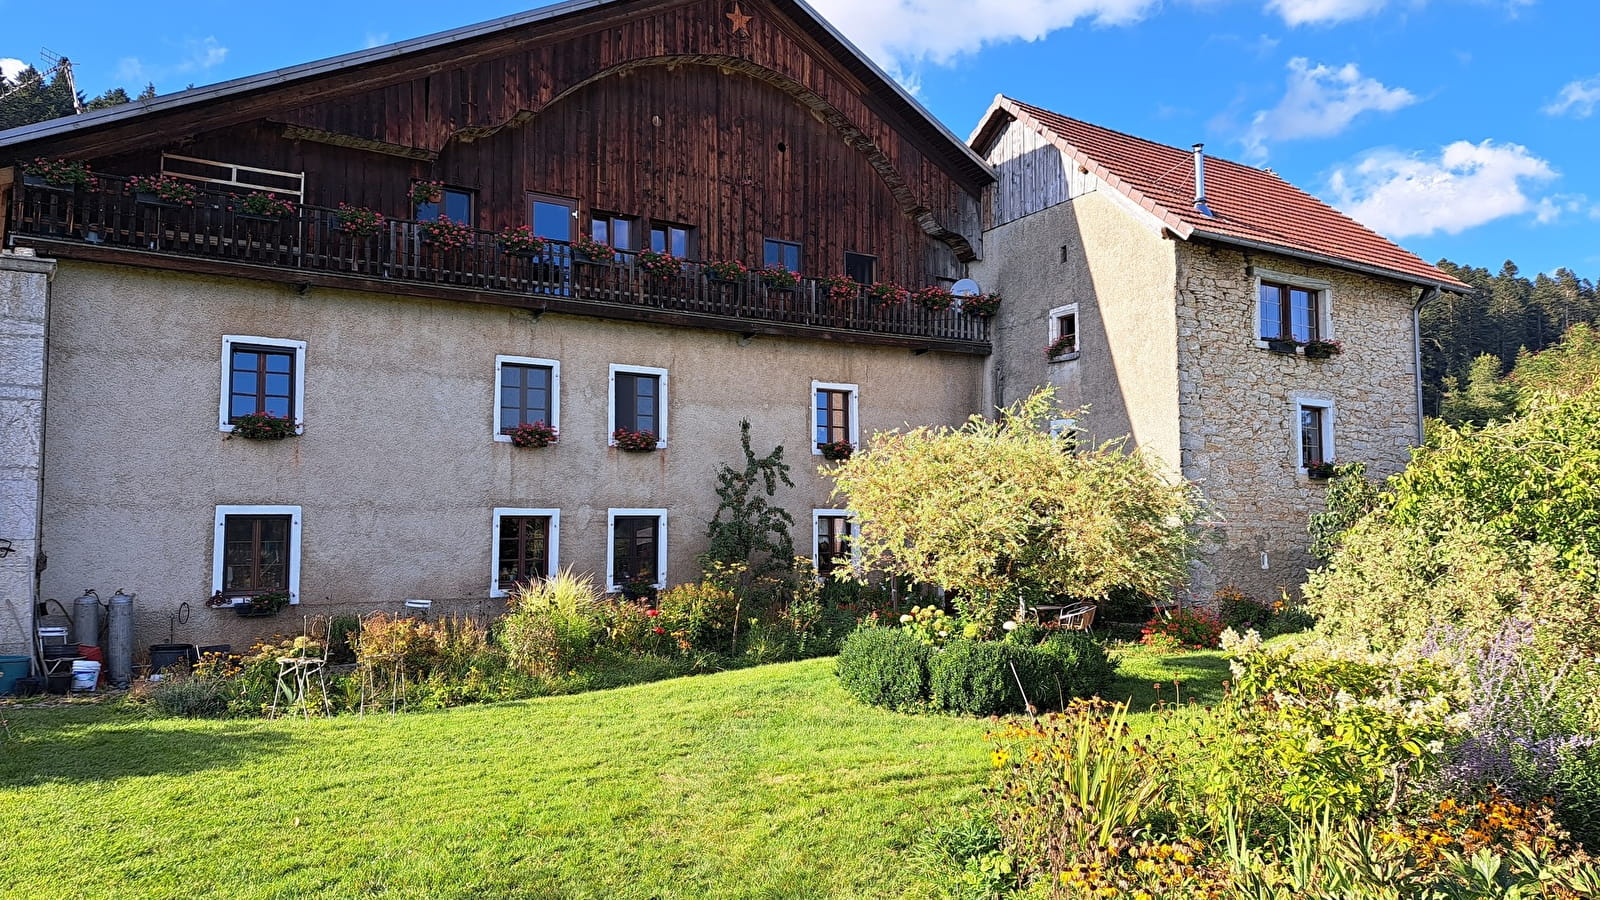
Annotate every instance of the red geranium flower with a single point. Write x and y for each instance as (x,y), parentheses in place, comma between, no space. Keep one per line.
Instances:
(660,630)
(652,613)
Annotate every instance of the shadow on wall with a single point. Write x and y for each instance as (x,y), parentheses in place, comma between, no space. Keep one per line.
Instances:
(86,746)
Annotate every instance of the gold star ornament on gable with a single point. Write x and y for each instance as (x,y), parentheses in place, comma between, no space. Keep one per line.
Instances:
(740,21)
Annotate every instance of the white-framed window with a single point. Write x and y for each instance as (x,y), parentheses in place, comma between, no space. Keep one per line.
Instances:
(262,374)
(1313,431)
(1063,323)
(636,547)
(638,402)
(833,540)
(1292,307)
(256,550)
(527,389)
(835,414)
(527,545)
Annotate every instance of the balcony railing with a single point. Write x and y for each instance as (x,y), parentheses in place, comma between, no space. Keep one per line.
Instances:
(313,240)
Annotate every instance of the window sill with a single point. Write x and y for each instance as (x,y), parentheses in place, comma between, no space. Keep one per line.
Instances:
(226,428)
(1066,357)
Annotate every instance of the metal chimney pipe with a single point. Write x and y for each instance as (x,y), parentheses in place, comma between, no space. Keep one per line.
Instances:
(1200,181)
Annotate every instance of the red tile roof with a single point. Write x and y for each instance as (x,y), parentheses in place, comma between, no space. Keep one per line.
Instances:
(1248,204)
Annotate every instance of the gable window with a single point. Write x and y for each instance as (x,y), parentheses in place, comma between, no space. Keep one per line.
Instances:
(638,402)
(261,374)
(256,549)
(833,539)
(676,240)
(1291,307)
(637,547)
(528,391)
(1314,421)
(860,267)
(1064,332)
(780,253)
(456,205)
(525,547)
(619,232)
(833,414)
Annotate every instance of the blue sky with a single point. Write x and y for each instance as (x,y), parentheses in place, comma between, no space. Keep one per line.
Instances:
(1464,129)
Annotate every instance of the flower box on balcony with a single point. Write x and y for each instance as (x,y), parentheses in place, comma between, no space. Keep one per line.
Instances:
(162,191)
(778,278)
(263,206)
(520,242)
(982,305)
(594,252)
(726,271)
(57,175)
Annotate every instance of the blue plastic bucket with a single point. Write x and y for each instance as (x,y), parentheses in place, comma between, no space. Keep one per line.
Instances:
(11,669)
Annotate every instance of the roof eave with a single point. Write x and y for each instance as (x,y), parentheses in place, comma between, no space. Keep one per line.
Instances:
(1443,284)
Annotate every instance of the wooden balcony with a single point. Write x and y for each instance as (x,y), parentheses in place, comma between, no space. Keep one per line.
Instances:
(107,223)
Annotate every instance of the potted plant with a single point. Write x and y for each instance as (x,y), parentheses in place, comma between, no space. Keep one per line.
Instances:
(358,221)
(982,305)
(1062,346)
(266,603)
(263,426)
(1283,345)
(836,451)
(162,190)
(727,271)
(591,250)
(426,192)
(778,277)
(445,233)
(631,441)
(1320,471)
(264,206)
(1323,349)
(659,265)
(839,288)
(934,298)
(520,241)
(57,174)
(531,434)
(887,294)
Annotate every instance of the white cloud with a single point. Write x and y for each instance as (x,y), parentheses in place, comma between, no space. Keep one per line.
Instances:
(1578,98)
(1320,101)
(199,54)
(900,33)
(1465,186)
(375,39)
(11,68)
(1323,12)
(1555,207)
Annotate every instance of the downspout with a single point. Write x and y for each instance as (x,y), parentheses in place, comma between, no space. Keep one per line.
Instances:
(1428,294)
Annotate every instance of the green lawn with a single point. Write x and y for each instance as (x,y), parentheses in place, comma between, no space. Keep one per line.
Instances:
(764,782)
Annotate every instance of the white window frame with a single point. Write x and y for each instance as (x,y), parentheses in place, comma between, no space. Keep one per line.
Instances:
(1322,287)
(1071,309)
(217,544)
(855,411)
(1328,414)
(611,545)
(500,362)
(817,515)
(500,512)
(611,402)
(299,387)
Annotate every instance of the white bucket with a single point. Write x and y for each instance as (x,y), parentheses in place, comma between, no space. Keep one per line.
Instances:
(85,674)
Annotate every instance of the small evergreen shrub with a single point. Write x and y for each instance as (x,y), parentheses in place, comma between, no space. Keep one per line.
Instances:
(884,667)
(1082,665)
(974,677)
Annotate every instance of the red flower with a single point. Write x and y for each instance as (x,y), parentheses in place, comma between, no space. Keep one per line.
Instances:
(652,613)
(660,630)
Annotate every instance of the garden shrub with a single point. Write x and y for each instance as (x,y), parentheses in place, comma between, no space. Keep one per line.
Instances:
(1240,611)
(190,696)
(975,677)
(1080,667)
(552,624)
(884,667)
(699,616)
(1185,627)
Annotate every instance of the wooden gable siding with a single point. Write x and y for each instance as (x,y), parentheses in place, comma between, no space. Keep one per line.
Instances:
(657,111)
(1033,174)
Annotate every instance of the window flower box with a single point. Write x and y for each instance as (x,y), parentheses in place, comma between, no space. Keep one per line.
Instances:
(57,174)
(726,271)
(630,441)
(445,234)
(520,241)
(358,221)
(1289,346)
(837,451)
(934,298)
(658,265)
(162,191)
(263,426)
(532,435)
(1321,471)
(1065,345)
(779,277)
(839,288)
(887,294)
(982,305)
(1323,349)
(592,251)
(263,206)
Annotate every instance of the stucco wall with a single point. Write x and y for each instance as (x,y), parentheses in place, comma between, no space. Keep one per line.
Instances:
(1240,431)
(24,303)
(397,472)
(1092,252)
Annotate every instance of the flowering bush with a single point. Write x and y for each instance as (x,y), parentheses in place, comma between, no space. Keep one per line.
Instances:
(660,265)
(928,625)
(1067,343)
(984,305)
(358,220)
(532,434)
(166,188)
(1191,628)
(727,270)
(61,172)
(634,441)
(266,203)
(887,294)
(935,298)
(837,450)
(426,192)
(778,277)
(445,233)
(520,239)
(839,288)
(592,250)
(263,426)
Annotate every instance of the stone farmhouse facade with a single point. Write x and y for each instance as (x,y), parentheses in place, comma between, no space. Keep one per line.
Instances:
(143,324)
